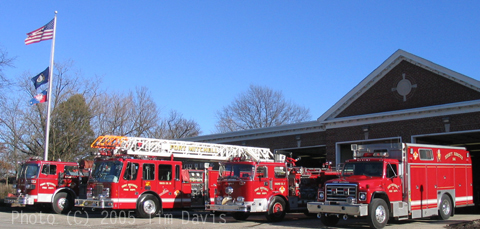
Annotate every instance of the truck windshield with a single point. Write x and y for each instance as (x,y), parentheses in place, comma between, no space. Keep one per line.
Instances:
(231,170)
(29,171)
(107,171)
(373,169)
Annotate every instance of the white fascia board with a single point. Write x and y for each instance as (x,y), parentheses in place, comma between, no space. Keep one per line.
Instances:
(366,83)
(416,113)
(268,132)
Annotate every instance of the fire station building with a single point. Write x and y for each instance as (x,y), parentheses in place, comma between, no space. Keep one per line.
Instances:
(406,99)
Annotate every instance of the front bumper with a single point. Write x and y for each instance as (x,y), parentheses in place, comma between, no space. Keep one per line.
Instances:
(94,203)
(21,200)
(257,205)
(227,208)
(343,209)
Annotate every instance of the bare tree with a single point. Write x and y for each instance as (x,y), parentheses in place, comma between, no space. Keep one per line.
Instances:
(175,127)
(259,107)
(5,61)
(125,115)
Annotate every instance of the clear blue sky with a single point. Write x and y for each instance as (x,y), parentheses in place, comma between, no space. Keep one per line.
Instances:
(197,56)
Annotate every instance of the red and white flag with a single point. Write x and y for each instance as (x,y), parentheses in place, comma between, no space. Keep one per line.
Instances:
(43,33)
(40,98)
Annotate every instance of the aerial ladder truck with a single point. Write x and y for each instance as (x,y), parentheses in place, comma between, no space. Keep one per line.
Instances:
(147,175)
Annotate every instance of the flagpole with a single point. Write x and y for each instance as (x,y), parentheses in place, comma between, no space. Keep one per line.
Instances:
(50,83)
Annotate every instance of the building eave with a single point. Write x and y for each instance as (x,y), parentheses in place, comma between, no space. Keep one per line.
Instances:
(269,132)
(408,114)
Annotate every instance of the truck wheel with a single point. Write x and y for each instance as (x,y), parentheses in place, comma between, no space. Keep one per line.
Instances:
(276,211)
(241,215)
(62,203)
(148,206)
(445,209)
(378,213)
(330,220)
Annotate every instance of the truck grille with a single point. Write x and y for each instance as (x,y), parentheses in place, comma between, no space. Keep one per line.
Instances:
(340,192)
(98,190)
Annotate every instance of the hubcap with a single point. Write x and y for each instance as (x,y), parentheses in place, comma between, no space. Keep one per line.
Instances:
(149,207)
(380,215)
(277,208)
(446,207)
(61,203)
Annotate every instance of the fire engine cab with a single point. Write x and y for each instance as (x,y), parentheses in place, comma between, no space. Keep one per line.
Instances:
(148,175)
(270,185)
(47,184)
(398,180)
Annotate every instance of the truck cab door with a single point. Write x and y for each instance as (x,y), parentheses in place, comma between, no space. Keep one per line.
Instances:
(393,183)
(148,177)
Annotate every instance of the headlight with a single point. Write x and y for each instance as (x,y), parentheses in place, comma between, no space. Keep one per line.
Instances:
(321,195)
(351,200)
(240,199)
(89,193)
(106,192)
(362,196)
(229,190)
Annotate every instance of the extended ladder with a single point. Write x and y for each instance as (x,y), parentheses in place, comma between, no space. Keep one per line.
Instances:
(180,149)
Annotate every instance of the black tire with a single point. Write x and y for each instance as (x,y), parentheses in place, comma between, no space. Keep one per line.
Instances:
(445,208)
(148,206)
(330,220)
(378,213)
(241,215)
(43,207)
(62,203)
(276,211)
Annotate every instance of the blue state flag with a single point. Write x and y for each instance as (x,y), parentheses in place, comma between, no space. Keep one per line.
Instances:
(41,78)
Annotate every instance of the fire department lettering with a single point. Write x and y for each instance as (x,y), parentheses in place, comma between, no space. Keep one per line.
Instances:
(393,188)
(164,192)
(261,191)
(193,149)
(129,187)
(47,185)
(455,154)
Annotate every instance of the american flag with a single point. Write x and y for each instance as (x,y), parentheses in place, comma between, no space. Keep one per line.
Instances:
(43,33)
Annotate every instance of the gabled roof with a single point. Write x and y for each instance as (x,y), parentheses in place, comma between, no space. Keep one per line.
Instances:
(330,118)
(382,70)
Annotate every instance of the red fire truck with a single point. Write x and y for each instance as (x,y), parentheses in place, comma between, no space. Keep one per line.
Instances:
(47,184)
(148,175)
(270,185)
(400,181)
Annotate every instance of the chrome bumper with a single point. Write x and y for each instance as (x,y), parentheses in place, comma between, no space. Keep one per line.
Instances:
(343,209)
(91,203)
(22,200)
(227,208)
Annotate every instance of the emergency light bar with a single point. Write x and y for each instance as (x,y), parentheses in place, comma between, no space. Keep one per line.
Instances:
(377,154)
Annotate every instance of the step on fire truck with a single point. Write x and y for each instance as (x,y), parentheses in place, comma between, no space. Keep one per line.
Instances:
(48,184)
(269,185)
(146,175)
(400,181)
